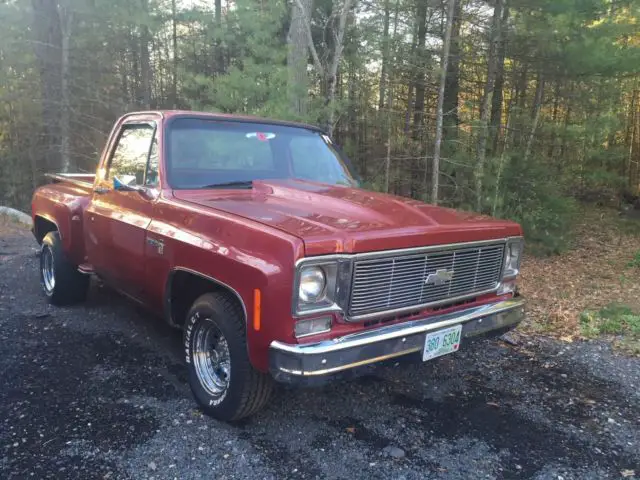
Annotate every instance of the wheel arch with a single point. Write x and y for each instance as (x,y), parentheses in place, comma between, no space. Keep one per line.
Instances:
(42,225)
(184,286)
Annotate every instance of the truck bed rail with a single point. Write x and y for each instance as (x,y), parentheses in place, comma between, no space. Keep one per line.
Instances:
(80,179)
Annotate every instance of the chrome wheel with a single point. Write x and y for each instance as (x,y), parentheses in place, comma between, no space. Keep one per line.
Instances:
(48,269)
(211,359)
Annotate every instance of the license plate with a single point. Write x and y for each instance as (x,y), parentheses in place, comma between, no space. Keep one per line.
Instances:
(442,342)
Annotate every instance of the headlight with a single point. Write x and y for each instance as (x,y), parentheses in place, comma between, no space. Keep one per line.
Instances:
(512,257)
(319,285)
(312,284)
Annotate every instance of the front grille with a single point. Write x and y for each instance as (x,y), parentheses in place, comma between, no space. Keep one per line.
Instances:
(404,281)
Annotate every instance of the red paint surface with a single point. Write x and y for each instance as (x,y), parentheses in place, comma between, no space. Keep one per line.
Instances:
(246,239)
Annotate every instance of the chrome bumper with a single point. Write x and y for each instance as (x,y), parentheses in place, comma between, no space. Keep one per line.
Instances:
(362,348)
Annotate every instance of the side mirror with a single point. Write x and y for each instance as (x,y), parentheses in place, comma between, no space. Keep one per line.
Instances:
(120,186)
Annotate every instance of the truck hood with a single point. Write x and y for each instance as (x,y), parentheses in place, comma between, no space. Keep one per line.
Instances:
(336,219)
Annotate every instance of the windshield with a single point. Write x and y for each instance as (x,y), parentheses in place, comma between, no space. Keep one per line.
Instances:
(208,153)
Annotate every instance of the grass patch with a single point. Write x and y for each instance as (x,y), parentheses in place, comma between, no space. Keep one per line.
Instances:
(635,261)
(614,319)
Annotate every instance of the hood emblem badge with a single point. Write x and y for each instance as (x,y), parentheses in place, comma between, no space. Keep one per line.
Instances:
(441,277)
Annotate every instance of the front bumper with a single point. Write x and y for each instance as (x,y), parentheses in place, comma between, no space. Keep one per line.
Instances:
(324,358)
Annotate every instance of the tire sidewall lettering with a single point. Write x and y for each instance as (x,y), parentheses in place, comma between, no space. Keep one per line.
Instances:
(188,334)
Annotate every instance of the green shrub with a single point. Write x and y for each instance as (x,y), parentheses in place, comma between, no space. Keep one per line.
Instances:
(532,196)
(635,261)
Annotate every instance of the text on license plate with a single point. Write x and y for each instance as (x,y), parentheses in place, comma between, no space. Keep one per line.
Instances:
(442,342)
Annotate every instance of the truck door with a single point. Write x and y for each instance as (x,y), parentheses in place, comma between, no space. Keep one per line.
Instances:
(117,219)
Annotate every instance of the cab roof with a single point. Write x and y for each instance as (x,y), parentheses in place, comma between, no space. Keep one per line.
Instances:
(169,114)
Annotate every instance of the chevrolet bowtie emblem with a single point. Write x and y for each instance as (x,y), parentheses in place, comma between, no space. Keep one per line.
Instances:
(439,278)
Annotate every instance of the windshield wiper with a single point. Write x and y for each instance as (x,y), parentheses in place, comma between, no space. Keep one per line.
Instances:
(238,183)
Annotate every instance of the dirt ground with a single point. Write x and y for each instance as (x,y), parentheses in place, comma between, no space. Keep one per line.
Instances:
(594,272)
(99,391)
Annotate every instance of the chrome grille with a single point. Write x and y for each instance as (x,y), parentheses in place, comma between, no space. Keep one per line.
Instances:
(397,282)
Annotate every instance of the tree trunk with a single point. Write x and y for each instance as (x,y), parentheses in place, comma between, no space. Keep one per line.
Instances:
(537,107)
(145,67)
(501,161)
(220,66)
(486,102)
(496,102)
(385,55)
(420,69)
(135,69)
(48,48)
(337,56)
(565,129)
(297,58)
(174,38)
(66,18)
(628,137)
(353,127)
(443,80)
(410,87)
(452,85)
(554,119)
(389,116)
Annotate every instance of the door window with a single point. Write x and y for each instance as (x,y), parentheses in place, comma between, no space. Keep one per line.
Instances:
(131,155)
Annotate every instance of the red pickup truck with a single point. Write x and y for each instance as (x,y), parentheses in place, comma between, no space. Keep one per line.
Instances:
(253,237)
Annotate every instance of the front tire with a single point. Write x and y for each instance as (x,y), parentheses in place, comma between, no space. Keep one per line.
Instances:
(61,281)
(221,377)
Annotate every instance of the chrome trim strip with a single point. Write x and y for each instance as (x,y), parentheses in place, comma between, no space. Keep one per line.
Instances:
(322,358)
(430,248)
(327,371)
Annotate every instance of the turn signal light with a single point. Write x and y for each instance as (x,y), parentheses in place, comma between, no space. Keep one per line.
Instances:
(312,326)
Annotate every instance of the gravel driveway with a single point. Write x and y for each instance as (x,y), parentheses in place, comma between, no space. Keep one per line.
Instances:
(99,391)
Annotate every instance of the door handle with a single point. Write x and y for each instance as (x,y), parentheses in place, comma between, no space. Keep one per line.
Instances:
(101,190)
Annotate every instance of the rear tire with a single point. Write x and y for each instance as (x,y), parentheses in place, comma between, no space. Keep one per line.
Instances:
(221,377)
(61,281)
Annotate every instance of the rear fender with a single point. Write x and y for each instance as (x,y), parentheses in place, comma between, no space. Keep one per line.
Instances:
(62,205)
